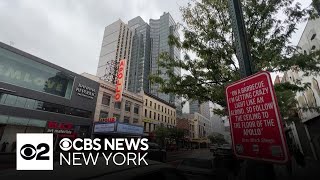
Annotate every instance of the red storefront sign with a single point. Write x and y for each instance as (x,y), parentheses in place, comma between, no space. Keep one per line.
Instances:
(255,122)
(60,127)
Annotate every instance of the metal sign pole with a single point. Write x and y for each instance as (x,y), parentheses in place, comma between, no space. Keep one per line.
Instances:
(253,169)
(240,36)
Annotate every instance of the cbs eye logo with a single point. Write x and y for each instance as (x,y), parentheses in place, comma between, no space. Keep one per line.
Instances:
(65,144)
(34,151)
(28,151)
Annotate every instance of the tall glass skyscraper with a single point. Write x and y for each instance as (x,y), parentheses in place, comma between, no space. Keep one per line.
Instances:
(139,69)
(141,44)
(159,34)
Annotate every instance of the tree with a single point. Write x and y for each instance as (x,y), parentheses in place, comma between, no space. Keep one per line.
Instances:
(208,33)
(161,134)
(217,139)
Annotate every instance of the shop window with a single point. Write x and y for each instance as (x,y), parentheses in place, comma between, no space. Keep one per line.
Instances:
(127,106)
(2,98)
(117,105)
(33,75)
(30,104)
(10,100)
(106,99)
(136,109)
(126,119)
(21,102)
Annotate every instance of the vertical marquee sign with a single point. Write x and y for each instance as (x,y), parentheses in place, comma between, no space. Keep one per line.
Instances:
(256,127)
(120,80)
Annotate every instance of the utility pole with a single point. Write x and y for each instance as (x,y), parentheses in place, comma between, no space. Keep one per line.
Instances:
(253,169)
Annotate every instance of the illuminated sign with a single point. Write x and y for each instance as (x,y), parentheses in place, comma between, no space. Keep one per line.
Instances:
(59,128)
(120,80)
(110,119)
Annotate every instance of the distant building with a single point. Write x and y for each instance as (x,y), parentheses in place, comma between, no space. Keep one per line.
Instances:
(116,45)
(157,112)
(128,112)
(140,44)
(203,109)
(306,133)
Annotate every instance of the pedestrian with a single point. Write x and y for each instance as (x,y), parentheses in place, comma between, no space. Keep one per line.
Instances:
(13,146)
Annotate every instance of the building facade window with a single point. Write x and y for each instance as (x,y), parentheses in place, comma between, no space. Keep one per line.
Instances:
(154,115)
(162,118)
(136,109)
(150,103)
(146,103)
(145,113)
(106,98)
(27,73)
(158,117)
(103,114)
(155,106)
(126,119)
(150,114)
(26,103)
(127,106)
(117,105)
(165,119)
(159,107)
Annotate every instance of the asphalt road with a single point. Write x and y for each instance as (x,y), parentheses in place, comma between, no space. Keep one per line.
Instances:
(174,158)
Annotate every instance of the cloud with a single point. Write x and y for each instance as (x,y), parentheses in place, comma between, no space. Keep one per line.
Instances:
(69,33)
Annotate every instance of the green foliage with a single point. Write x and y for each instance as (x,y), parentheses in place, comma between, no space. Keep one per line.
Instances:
(170,134)
(208,34)
(217,139)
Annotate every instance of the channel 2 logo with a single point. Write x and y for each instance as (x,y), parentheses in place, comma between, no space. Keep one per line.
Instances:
(34,151)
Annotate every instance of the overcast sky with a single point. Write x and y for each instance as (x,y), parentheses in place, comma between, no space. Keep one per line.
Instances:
(69,32)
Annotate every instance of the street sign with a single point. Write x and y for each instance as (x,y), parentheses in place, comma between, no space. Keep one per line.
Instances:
(255,122)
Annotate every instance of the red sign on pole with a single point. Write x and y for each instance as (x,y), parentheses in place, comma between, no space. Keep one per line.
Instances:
(256,127)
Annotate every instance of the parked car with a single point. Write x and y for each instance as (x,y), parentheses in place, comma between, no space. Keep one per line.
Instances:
(154,170)
(156,153)
(224,150)
(197,168)
(213,147)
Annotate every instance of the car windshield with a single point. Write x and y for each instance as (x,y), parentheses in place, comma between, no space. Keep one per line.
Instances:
(198,163)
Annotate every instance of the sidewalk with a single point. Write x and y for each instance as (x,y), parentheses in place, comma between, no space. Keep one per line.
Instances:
(309,172)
